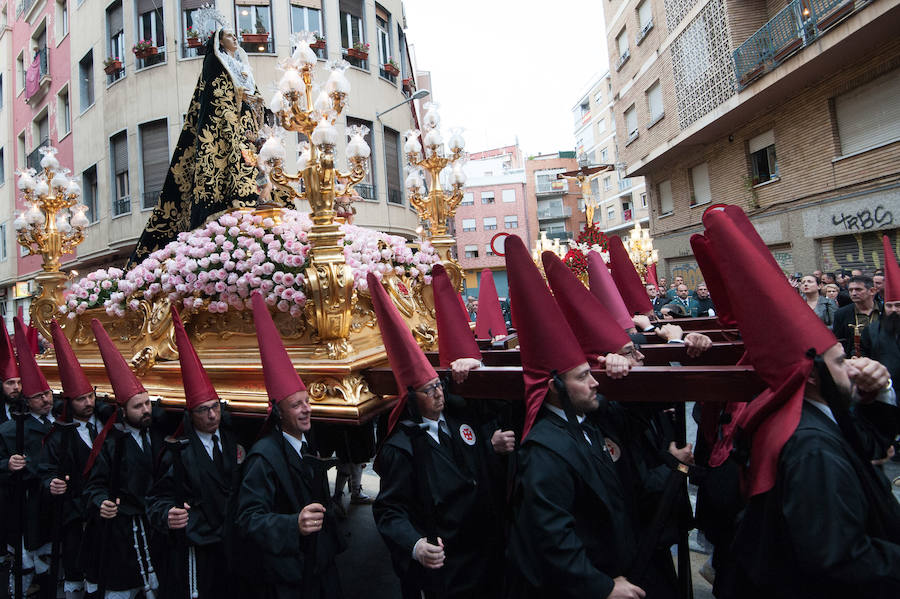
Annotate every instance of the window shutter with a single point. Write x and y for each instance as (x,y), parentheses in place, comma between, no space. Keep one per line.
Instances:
(155,154)
(654,99)
(114,18)
(869,115)
(665,197)
(120,153)
(353,7)
(392,159)
(700,179)
(762,141)
(317,4)
(194,4)
(644,13)
(252,3)
(145,6)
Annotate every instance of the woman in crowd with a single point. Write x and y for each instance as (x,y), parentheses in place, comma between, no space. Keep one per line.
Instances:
(831,291)
(810,285)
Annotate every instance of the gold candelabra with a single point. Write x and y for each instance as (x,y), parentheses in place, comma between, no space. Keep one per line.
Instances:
(437,206)
(52,225)
(640,249)
(320,182)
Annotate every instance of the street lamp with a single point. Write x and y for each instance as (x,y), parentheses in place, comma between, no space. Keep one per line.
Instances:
(422,93)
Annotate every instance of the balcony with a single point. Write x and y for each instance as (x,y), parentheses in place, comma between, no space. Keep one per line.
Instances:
(554,213)
(552,187)
(624,184)
(37,77)
(121,206)
(33,160)
(627,215)
(366,191)
(561,235)
(149,199)
(796,26)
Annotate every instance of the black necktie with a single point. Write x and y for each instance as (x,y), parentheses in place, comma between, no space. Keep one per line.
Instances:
(217,455)
(304,448)
(44,420)
(92,431)
(145,440)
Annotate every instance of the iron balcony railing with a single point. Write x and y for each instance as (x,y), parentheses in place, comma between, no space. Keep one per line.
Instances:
(795,26)
(33,160)
(121,206)
(366,191)
(624,184)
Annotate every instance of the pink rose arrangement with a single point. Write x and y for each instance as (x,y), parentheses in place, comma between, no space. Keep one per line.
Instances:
(219,265)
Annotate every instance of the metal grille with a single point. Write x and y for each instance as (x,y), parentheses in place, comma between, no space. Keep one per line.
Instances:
(702,64)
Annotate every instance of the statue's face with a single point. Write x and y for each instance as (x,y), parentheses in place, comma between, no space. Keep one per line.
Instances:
(229,41)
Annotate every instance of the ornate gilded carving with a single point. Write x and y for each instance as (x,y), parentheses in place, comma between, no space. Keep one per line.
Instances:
(351,389)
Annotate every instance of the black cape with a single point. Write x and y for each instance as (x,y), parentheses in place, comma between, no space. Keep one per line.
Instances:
(37,519)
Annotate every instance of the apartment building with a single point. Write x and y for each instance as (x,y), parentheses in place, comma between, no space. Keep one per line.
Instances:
(554,205)
(35,112)
(786,108)
(621,201)
(117,124)
(494,202)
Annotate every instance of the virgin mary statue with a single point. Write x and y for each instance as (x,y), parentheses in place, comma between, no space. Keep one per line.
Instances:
(210,172)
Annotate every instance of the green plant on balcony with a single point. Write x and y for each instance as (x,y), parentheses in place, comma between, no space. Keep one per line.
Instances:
(750,184)
(361,47)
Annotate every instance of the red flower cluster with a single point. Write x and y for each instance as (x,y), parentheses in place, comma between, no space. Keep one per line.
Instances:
(576,261)
(593,236)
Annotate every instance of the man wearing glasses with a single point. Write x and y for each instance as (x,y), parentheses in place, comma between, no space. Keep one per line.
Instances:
(211,476)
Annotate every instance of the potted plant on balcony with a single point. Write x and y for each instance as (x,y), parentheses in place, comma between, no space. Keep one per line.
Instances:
(319,44)
(359,51)
(391,67)
(408,85)
(112,65)
(193,38)
(144,49)
(260,37)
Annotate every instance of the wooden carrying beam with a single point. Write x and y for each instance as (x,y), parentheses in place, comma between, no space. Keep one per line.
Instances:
(714,334)
(643,383)
(661,354)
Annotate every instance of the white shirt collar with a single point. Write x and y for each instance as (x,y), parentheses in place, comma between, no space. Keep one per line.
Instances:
(433,426)
(207,442)
(136,433)
(824,409)
(562,414)
(296,443)
(48,416)
(83,431)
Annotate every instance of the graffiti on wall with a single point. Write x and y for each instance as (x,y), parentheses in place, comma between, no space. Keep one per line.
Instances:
(857,250)
(865,219)
(689,271)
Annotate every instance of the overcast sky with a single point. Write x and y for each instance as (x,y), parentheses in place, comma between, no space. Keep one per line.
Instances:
(507,68)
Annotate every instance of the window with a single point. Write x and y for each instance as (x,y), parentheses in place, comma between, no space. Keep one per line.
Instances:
(86,80)
(383,37)
(469,225)
(509,196)
(63,113)
(471,251)
(601,125)
(62,19)
(40,137)
(254,21)
(393,164)
(189,9)
(622,45)
(468,199)
(631,126)
(607,183)
(306,15)
(869,116)
(20,73)
(150,28)
(89,193)
(115,31)
(645,19)
(3,254)
(2,167)
(490,223)
(655,102)
(121,196)
(763,165)
(701,193)
(511,221)
(488,251)
(604,156)
(366,189)
(643,200)
(666,205)
(154,160)
(20,147)
(611,213)
(352,30)
(487,197)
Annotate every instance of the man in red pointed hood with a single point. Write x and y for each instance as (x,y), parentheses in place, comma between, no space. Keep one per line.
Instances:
(489,322)
(799,444)
(38,400)
(210,461)
(126,450)
(66,452)
(11,388)
(435,509)
(572,532)
(284,506)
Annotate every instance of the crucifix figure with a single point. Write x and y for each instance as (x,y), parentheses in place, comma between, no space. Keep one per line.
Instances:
(584,175)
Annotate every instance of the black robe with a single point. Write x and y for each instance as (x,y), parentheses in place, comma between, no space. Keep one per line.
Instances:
(55,464)
(464,513)
(116,561)
(37,519)
(276,486)
(816,533)
(209,493)
(572,531)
